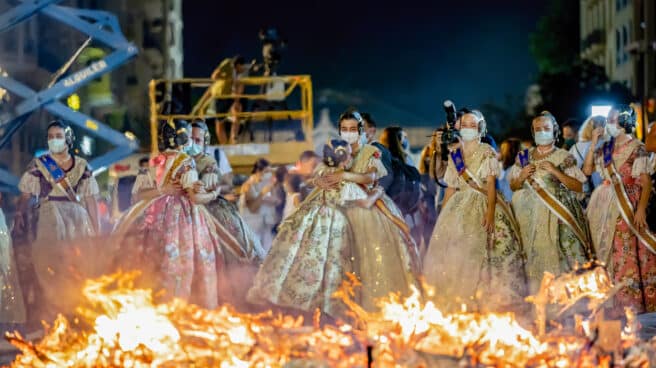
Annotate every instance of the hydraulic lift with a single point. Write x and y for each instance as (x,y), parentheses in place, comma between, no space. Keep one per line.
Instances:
(99,26)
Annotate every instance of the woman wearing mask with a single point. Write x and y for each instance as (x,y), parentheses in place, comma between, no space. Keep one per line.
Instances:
(257,204)
(617,212)
(311,254)
(545,179)
(475,250)
(385,257)
(581,148)
(66,191)
(170,236)
(222,209)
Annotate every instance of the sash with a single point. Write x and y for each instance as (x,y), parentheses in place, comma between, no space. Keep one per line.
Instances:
(645,236)
(475,184)
(553,204)
(57,176)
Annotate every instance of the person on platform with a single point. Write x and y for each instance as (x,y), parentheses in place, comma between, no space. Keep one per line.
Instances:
(311,254)
(617,212)
(170,236)
(64,190)
(475,256)
(385,260)
(545,181)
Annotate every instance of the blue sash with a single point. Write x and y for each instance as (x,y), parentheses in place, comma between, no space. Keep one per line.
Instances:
(523,158)
(607,150)
(458,161)
(54,170)
(58,176)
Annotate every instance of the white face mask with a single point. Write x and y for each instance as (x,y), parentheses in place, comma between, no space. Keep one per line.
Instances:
(613,130)
(57,145)
(469,134)
(543,138)
(350,137)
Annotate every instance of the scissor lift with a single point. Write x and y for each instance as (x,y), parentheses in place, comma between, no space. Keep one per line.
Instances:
(101,27)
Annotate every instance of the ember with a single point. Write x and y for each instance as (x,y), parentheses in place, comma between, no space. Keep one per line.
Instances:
(122,326)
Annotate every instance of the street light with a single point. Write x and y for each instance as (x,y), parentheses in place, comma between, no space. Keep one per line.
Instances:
(600,110)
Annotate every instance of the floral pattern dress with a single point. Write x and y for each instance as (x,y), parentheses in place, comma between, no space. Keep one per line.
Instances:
(177,244)
(626,258)
(385,257)
(550,245)
(63,252)
(463,262)
(227,213)
(310,255)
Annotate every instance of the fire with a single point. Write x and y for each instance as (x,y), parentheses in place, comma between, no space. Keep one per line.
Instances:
(122,326)
(129,330)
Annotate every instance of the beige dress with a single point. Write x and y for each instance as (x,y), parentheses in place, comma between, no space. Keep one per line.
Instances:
(550,245)
(463,262)
(385,258)
(310,255)
(63,252)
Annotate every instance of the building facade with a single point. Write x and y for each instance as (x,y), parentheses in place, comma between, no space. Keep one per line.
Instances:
(619,35)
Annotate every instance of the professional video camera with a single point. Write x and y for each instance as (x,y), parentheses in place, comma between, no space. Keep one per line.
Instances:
(450,134)
(272,46)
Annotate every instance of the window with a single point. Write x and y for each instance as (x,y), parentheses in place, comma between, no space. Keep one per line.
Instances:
(618,47)
(625,43)
(618,5)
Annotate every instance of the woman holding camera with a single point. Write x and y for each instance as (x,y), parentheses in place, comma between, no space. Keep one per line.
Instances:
(385,257)
(553,227)
(620,234)
(475,251)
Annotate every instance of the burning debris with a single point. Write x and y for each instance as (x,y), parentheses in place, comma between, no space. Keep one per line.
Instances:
(120,326)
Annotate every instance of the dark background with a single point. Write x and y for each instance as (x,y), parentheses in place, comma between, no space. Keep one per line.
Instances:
(396,60)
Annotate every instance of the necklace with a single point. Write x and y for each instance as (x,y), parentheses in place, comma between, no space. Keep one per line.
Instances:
(544,153)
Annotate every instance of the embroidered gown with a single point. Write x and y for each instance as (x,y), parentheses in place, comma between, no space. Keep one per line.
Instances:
(227,213)
(63,249)
(311,253)
(176,243)
(462,261)
(386,258)
(616,245)
(550,245)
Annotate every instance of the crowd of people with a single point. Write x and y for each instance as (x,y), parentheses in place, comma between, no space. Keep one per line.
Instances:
(479,224)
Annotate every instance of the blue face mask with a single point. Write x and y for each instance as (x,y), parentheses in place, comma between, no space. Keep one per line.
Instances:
(194,150)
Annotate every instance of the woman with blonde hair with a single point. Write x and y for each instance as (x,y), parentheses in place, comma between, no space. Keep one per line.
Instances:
(580,149)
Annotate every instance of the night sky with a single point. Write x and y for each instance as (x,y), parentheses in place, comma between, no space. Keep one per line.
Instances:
(398,62)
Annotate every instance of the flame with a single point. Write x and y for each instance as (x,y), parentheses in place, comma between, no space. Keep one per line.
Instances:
(129,329)
(121,326)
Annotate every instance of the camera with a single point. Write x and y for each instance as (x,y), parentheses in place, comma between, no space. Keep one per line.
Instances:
(450,134)
(272,46)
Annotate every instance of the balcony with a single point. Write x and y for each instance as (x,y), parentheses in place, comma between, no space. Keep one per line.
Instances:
(593,45)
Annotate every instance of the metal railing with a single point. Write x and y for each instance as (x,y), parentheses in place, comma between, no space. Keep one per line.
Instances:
(293,83)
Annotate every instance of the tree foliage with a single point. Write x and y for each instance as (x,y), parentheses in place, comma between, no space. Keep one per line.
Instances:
(555,42)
